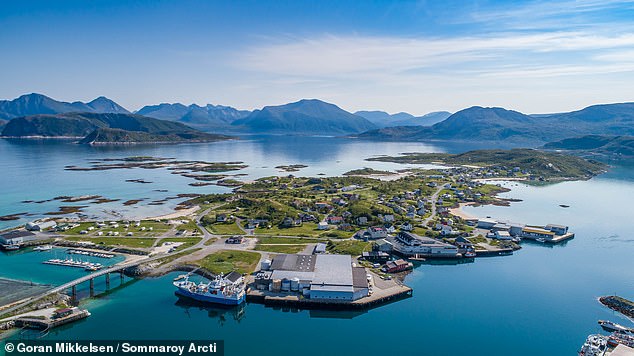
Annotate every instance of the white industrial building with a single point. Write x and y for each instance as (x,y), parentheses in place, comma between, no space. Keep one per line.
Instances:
(410,244)
(323,277)
(40,225)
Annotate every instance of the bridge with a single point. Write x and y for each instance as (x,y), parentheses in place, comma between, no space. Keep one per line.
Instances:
(118,268)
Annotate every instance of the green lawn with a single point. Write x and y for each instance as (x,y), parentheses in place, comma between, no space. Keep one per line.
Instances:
(227,261)
(224,229)
(280,248)
(285,240)
(337,234)
(306,230)
(158,228)
(135,242)
(189,226)
(349,247)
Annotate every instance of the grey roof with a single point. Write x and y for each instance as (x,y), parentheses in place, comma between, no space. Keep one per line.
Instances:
(333,269)
(359,277)
(16,234)
(302,263)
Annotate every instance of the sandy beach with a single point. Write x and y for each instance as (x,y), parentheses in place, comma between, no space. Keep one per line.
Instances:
(175,214)
(461,213)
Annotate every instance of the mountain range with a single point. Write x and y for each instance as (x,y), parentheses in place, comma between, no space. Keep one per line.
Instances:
(495,124)
(208,117)
(596,144)
(383,119)
(35,104)
(308,116)
(312,116)
(105,128)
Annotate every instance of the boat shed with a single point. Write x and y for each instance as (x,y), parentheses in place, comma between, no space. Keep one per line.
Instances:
(16,237)
(40,225)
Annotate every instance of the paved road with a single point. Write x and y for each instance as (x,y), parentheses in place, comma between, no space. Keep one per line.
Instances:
(434,199)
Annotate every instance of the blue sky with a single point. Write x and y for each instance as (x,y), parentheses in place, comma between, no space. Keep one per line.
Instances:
(414,56)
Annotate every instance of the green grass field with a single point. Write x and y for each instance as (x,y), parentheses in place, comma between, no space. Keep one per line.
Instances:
(280,248)
(134,242)
(306,230)
(227,261)
(349,247)
(285,240)
(224,229)
(158,228)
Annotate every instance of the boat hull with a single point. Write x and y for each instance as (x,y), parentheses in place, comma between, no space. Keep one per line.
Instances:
(208,298)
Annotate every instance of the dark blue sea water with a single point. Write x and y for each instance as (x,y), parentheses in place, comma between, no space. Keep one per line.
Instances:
(540,301)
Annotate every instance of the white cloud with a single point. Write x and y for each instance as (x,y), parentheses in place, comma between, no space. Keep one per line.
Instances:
(359,56)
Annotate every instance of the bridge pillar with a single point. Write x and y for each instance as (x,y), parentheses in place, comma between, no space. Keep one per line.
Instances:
(74,291)
(121,275)
(107,280)
(92,287)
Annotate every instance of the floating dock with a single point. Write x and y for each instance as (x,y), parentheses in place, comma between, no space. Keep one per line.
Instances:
(74,251)
(72,263)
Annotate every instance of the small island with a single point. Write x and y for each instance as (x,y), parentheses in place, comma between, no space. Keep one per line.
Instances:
(524,163)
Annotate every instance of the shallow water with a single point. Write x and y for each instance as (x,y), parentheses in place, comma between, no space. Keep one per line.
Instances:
(540,301)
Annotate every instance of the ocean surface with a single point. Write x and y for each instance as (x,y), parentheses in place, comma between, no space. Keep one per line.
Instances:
(540,301)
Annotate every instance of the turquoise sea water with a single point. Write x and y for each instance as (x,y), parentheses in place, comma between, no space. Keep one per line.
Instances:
(540,301)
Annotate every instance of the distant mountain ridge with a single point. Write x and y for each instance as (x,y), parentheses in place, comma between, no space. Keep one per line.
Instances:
(596,144)
(307,116)
(382,119)
(481,124)
(35,104)
(114,125)
(204,117)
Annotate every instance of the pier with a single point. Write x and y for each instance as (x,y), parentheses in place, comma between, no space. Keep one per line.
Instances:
(379,297)
(72,285)
(65,316)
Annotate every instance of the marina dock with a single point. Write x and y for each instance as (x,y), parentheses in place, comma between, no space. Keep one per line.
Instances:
(74,251)
(72,263)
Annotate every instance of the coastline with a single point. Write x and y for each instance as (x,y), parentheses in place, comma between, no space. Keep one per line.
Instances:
(459,212)
(175,214)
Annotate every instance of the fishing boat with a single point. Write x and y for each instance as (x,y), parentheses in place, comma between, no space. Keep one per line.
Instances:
(43,248)
(611,326)
(595,345)
(621,338)
(228,289)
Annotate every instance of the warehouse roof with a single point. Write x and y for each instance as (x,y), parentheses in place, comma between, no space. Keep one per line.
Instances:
(301,263)
(333,269)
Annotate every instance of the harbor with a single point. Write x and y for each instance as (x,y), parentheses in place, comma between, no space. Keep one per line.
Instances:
(69,262)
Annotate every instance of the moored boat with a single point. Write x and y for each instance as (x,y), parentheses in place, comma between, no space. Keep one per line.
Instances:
(11,247)
(595,345)
(228,289)
(43,248)
(611,326)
